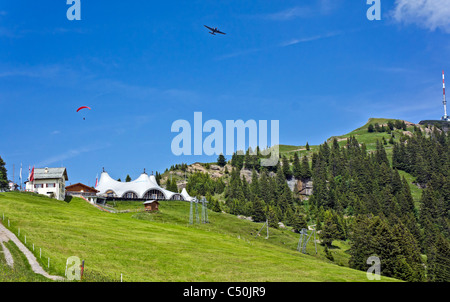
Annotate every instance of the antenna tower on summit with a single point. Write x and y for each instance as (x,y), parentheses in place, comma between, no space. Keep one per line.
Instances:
(445,117)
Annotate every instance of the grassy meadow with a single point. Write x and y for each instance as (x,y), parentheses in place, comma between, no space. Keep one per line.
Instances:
(163,246)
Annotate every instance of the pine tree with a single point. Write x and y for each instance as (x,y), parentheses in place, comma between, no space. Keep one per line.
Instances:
(439,260)
(171,185)
(272,216)
(3,176)
(264,187)
(286,168)
(305,169)
(296,167)
(213,204)
(428,209)
(254,187)
(234,188)
(298,221)
(258,214)
(245,189)
(409,266)
(330,230)
(390,125)
(221,160)
(237,160)
(380,154)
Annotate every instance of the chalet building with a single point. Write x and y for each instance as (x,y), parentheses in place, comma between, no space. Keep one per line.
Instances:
(82,190)
(49,181)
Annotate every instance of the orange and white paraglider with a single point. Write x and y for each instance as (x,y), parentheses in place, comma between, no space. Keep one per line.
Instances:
(83,107)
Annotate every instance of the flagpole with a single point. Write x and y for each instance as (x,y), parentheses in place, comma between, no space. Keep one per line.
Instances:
(20,176)
(32,176)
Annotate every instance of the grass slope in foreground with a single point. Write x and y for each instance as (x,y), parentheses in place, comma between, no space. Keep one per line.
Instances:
(149,250)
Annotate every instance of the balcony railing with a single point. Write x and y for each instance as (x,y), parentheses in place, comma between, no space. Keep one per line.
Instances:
(84,194)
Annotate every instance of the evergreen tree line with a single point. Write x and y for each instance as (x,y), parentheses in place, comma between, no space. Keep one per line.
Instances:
(264,197)
(250,160)
(352,181)
(299,170)
(183,167)
(391,125)
(171,185)
(425,157)
(382,218)
(202,184)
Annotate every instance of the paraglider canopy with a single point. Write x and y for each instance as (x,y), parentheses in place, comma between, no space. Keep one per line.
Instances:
(83,107)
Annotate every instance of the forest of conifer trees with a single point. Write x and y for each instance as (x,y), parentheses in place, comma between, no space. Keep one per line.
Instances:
(359,196)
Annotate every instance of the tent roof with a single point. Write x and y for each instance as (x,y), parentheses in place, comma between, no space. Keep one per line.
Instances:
(139,186)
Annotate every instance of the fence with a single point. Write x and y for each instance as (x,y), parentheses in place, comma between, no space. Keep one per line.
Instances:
(27,243)
(42,261)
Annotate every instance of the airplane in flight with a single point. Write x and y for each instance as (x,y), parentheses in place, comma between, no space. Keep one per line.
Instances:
(214,31)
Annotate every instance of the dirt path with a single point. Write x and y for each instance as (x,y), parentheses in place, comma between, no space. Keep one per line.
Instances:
(8,256)
(301,149)
(6,235)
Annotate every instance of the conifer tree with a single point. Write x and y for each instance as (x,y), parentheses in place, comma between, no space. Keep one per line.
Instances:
(254,187)
(3,176)
(296,167)
(329,230)
(234,188)
(258,214)
(286,168)
(221,160)
(305,169)
(272,216)
(245,189)
(439,260)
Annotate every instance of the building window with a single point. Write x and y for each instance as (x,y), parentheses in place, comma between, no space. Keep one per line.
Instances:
(53,185)
(130,195)
(154,194)
(38,186)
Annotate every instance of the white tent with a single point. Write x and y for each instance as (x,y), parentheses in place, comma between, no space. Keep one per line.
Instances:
(144,187)
(185,195)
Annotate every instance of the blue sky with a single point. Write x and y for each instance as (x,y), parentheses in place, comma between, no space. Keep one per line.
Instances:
(319,67)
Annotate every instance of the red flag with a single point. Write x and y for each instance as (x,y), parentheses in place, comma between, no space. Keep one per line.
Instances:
(96,181)
(32,175)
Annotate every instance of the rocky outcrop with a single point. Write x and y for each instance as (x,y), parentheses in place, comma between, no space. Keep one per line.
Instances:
(305,187)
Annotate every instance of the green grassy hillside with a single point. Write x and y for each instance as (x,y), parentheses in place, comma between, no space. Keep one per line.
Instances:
(163,246)
(361,134)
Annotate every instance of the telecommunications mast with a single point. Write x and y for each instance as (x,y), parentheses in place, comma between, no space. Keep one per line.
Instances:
(445,117)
